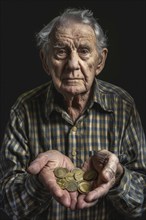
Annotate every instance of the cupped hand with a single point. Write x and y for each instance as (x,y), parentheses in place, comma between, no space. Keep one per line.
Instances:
(44,165)
(109,171)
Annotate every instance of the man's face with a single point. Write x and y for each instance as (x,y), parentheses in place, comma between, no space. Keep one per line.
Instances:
(73,58)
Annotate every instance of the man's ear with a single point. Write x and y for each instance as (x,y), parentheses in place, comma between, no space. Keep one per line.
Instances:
(101,61)
(44,62)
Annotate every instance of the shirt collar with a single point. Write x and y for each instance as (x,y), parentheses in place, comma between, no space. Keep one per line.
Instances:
(100,97)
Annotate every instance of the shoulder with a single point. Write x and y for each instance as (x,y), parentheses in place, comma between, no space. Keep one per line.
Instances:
(114,92)
(114,98)
(37,94)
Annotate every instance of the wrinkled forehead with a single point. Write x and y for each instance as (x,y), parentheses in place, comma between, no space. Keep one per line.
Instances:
(73,31)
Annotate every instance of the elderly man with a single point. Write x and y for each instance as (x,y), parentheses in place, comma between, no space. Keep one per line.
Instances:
(73,122)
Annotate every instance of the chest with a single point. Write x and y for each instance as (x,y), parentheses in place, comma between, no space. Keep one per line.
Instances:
(92,132)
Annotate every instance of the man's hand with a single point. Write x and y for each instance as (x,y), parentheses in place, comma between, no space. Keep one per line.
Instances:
(106,163)
(109,173)
(44,166)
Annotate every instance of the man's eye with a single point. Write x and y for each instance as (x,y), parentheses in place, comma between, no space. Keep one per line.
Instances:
(61,53)
(83,51)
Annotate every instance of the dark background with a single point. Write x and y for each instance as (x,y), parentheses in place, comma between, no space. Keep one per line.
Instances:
(21,70)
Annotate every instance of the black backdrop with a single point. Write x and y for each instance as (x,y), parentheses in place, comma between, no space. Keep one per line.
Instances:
(21,70)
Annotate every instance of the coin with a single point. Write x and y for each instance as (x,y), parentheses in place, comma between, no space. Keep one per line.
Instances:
(71,186)
(69,176)
(84,187)
(61,183)
(60,172)
(78,175)
(75,180)
(76,170)
(90,175)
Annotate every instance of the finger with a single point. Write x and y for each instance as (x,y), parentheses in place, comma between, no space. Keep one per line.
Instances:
(73,196)
(36,165)
(109,171)
(105,163)
(61,196)
(99,159)
(82,203)
(86,165)
(67,163)
(100,191)
(52,159)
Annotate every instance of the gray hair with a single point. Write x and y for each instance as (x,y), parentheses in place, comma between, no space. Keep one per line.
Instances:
(81,16)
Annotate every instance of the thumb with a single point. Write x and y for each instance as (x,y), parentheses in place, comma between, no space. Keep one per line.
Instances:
(36,165)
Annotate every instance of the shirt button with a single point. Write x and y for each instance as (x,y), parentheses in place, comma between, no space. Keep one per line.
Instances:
(74,129)
(74,153)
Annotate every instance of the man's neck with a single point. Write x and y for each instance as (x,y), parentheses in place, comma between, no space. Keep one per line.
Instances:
(75,105)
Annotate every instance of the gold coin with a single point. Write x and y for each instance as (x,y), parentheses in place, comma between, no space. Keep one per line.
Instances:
(75,170)
(75,180)
(84,187)
(61,183)
(72,186)
(69,176)
(90,175)
(60,172)
(78,175)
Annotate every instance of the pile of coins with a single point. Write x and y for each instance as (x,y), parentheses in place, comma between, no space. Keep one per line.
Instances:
(75,180)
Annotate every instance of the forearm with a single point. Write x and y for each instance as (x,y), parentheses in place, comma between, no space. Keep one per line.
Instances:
(128,196)
(24,196)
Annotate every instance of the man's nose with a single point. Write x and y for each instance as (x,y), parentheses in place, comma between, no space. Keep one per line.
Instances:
(73,61)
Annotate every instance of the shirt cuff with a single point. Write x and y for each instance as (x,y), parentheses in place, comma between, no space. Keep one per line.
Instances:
(36,189)
(123,187)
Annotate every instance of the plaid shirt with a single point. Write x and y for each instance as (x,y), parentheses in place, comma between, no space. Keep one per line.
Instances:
(38,122)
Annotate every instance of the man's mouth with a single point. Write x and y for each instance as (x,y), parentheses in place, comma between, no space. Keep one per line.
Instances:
(71,81)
